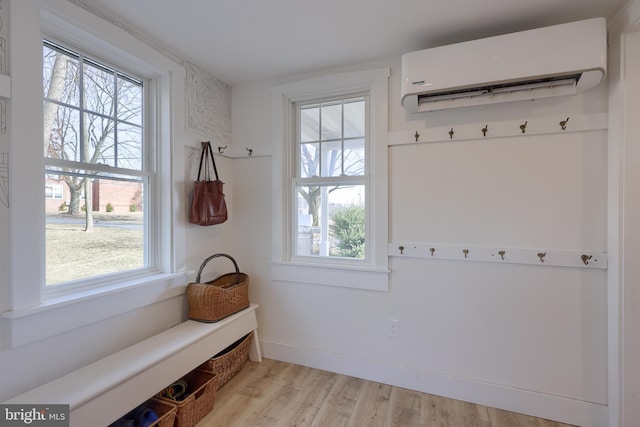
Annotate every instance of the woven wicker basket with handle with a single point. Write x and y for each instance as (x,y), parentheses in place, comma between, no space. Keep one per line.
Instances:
(213,301)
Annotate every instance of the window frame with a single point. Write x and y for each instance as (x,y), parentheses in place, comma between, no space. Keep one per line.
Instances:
(28,314)
(324,181)
(146,173)
(373,272)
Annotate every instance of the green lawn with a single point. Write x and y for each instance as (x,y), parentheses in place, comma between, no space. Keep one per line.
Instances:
(73,253)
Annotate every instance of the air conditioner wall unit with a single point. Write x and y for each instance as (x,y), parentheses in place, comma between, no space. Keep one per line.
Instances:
(559,60)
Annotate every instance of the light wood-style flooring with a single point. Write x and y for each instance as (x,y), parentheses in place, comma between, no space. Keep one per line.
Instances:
(274,394)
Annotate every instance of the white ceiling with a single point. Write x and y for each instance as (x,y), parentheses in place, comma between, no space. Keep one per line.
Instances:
(244,40)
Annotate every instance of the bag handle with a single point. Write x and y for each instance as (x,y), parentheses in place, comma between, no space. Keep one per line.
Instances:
(235,264)
(204,156)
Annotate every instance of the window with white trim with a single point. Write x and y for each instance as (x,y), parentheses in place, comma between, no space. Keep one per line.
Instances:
(94,146)
(330,180)
(77,302)
(53,191)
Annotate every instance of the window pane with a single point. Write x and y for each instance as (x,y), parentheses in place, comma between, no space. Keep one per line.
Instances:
(99,89)
(354,119)
(331,158)
(63,132)
(88,135)
(331,122)
(129,147)
(108,240)
(101,147)
(129,101)
(309,124)
(354,157)
(330,214)
(331,221)
(53,191)
(60,77)
(309,160)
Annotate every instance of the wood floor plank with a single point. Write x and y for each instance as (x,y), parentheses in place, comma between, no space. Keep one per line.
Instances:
(337,408)
(406,407)
(501,418)
(442,412)
(315,390)
(373,407)
(279,394)
(273,400)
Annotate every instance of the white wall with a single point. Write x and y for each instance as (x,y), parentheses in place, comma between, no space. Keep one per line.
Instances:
(527,338)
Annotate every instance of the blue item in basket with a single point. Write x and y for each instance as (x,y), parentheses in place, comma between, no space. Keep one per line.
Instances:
(139,417)
(144,416)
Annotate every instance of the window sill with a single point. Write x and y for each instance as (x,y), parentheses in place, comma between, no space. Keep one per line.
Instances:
(344,276)
(64,313)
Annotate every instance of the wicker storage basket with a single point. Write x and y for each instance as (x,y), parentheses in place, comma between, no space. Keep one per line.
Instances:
(202,386)
(229,361)
(219,298)
(166,412)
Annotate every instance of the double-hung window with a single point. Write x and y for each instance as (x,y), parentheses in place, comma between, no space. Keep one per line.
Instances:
(331,182)
(93,231)
(95,153)
(330,217)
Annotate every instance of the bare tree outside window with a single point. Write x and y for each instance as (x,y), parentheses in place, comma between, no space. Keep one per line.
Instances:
(331,172)
(93,132)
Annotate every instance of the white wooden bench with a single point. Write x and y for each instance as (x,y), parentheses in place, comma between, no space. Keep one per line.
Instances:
(103,391)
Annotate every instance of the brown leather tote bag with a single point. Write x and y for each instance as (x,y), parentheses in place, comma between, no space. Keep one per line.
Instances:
(208,206)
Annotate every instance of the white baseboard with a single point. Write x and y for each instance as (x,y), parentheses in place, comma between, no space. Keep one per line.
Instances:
(532,403)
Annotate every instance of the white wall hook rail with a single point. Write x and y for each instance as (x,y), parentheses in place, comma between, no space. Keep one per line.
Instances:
(501,255)
(500,129)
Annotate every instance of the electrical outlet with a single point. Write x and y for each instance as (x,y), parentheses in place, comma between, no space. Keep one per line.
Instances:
(392,327)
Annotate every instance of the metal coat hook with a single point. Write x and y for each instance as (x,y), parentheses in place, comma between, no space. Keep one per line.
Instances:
(417,135)
(523,127)
(221,149)
(541,255)
(502,253)
(586,258)
(432,250)
(563,124)
(451,133)
(401,249)
(465,252)
(249,150)
(484,130)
